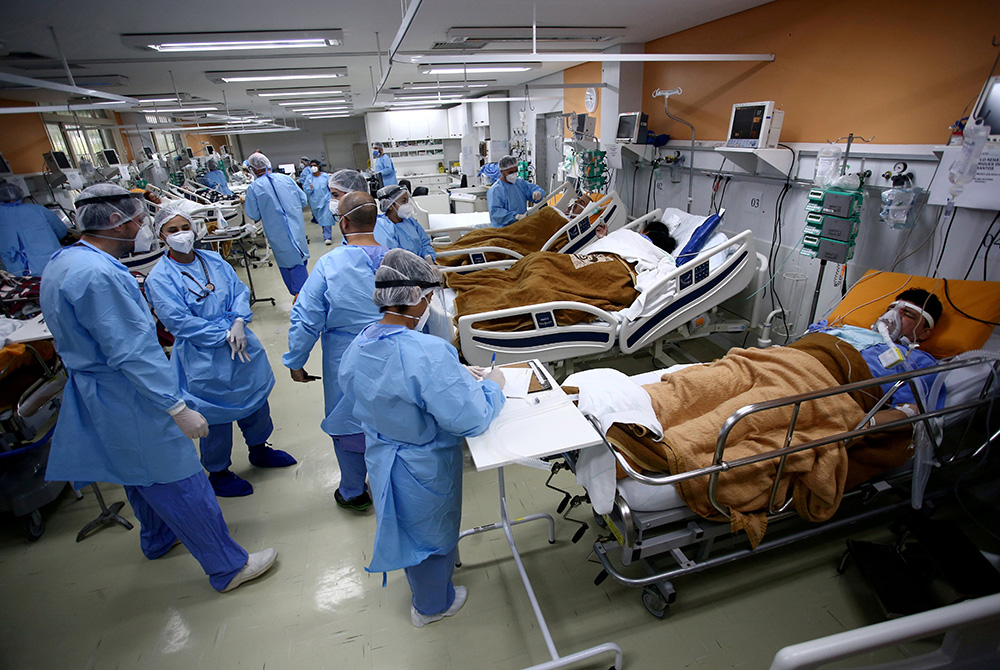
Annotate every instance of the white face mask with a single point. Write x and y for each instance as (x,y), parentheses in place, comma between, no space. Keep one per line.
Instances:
(422,321)
(182,242)
(511,178)
(334,206)
(144,240)
(405,210)
(315,170)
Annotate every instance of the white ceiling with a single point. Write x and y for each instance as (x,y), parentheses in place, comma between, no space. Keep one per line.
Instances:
(89,33)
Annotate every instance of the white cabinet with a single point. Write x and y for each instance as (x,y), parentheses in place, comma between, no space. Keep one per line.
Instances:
(457,118)
(480,114)
(378,126)
(437,124)
(419,123)
(399,127)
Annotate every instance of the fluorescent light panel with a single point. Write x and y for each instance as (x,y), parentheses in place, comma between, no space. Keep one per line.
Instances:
(330,116)
(304,103)
(297,92)
(522,34)
(234,41)
(428,96)
(443,86)
(177,110)
(474,68)
(322,110)
(289,74)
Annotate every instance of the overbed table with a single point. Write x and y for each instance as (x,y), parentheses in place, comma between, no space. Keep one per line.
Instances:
(545,423)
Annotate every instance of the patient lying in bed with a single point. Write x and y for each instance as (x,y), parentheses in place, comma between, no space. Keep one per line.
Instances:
(608,274)
(693,403)
(523,236)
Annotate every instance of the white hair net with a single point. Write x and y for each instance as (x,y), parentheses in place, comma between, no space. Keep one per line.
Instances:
(387,195)
(347,181)
(378,145)
(507,162)
(10,192)
(304,159)
(168,212)
(97,203)
(258,161)
(404,278)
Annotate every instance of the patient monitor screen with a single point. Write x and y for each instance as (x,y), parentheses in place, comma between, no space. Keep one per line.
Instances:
(626,126)
(747,122)
(988,107)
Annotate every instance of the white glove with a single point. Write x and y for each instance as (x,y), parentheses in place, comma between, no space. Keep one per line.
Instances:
(477,372)
(191,423)
(518,217)
(536,196)
(496,375)
(237,339)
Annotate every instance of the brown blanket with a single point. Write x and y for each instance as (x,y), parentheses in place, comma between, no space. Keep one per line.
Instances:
(693,404)
(523,237)
(602,280)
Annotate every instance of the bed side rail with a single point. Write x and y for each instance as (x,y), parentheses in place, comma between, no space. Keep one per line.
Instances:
(695,288)
(545,340)
(566,192)
(719,465)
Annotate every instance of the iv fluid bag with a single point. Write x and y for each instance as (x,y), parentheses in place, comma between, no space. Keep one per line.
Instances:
(963,169)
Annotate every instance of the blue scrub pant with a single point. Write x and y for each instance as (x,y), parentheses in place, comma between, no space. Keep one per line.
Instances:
(187,509)
(430,582)
(217,448)
(350,450)
(294,278)
(327,232)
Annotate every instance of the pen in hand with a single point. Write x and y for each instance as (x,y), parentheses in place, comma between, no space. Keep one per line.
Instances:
(493,362)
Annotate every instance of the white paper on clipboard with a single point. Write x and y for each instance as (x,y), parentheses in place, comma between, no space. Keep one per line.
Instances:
(516,382)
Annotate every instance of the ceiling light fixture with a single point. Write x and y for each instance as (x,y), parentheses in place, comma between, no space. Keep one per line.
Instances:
(437,87)
(289,74)
(479,36)
(301,103)
(502,59)
(438,96)
(477,68)
(313,110)
(330,116)
(179,110)
(296,92)
(234,41)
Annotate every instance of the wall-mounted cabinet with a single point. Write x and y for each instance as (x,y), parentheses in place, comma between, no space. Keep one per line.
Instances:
(422,124)
(457,120)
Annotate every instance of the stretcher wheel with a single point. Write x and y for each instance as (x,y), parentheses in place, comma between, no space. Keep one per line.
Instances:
(654,603)
(34,527)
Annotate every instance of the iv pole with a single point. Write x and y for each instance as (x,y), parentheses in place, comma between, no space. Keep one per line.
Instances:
(666,95)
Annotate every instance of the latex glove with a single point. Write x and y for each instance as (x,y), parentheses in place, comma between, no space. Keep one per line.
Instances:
(477,372)
(301,375)
(191,423)
(518,217)
(497,376)
(536,196)
(237,339)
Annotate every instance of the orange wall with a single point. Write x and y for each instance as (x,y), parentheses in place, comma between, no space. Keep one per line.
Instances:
(194,140)
(902,72)
(23,139)
(588,73)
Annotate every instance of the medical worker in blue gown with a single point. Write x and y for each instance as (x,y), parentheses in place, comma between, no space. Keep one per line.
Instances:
(216,178)
(29,234)
(336,304)
(277,201)
(222,367)
(415,402)
(508,197)
(123,419)
(316,185)
(383,165)
(396,227)
(340,184)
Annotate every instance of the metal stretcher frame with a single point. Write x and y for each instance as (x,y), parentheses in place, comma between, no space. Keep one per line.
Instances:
(696,289)
(637,535)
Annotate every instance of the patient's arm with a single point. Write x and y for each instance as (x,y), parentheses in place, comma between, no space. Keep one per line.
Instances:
(886,415)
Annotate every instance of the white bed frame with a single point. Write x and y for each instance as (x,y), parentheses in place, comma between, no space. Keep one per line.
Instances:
(579,230)
(696,289)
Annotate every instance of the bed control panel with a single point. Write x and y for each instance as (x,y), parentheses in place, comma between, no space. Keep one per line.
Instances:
(692,277)
(477,258)
(701,272)
(573,232)
(544,320)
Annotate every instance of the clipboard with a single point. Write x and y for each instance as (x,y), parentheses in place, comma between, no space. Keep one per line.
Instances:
(539,381)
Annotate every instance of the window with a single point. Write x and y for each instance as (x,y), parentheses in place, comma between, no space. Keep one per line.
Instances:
(82,140)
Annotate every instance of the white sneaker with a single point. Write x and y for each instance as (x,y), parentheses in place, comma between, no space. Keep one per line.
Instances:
(420,620)
(328,243)
(258,563)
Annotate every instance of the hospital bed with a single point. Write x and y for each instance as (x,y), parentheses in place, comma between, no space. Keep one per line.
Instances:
(447,228)
(650,525)
(674,300)
(578,231)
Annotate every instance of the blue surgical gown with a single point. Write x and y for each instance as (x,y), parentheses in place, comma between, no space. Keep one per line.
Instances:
(276,200)
(29,235)
(415,402)
(507,200)
(384,166)
(216,179)
(113,424)
(407,234)
(211,381)
(317,190)
(335,303)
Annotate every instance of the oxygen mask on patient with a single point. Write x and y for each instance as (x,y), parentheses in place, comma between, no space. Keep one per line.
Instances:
(889,325)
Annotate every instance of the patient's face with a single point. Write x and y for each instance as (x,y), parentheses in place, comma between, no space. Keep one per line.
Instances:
(914,325)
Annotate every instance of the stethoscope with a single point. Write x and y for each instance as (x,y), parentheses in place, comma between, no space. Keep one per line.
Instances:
(207,287)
